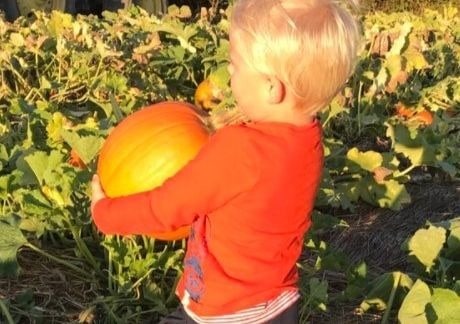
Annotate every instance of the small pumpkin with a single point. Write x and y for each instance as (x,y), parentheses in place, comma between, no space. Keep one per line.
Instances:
(207,95)
(214,89)
(424,117)
(148,147)
(411,114)
(75,160)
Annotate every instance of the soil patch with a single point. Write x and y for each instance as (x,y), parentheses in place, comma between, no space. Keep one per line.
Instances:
(45,292)
(375,236)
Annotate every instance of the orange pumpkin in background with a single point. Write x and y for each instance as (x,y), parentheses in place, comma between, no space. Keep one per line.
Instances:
(148,147)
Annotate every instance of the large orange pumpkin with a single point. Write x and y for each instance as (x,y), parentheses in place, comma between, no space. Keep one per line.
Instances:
(148,147)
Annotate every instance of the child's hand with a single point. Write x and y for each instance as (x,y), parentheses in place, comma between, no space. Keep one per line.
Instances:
(97,192)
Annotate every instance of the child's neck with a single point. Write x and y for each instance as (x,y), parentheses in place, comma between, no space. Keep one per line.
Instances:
(290,115)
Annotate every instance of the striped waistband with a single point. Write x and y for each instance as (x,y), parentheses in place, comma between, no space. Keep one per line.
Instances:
(255,315)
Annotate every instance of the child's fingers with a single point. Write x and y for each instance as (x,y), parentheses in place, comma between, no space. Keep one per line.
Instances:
(96,183)
(97,191)
(95,179)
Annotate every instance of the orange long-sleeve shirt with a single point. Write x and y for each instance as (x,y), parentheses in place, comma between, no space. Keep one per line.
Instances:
(248,195)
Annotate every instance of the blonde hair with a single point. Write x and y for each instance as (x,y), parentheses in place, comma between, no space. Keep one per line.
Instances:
(310,45)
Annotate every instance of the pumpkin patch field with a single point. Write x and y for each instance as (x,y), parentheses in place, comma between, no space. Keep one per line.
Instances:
(391,137)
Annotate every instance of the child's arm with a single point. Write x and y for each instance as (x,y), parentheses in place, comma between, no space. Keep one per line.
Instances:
(222,170)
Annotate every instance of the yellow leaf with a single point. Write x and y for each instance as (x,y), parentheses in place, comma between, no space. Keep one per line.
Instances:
(91,123)
(55,125)
(53,195)
(400,42)
(415,59)
(154,43)
(369,160)
(3,129)
(17,39)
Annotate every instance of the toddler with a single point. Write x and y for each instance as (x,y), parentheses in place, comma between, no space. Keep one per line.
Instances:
(250,191)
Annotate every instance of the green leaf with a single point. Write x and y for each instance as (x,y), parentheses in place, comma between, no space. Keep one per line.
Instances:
(87,146)
(395,195)
(426,245)
(357,278)
(331,259)
(4,186)
(3,155)
(415,59)
(105,51)
(368,160)
(318,293)
(17,39)
(58,22)
(456,287)
(394,64)
(412,310)
(220,77)
(326,221)
(335,108)
(381,79)
(453,242)
(33,225)
(415,149)
(389,194)
(445,306)
(402,39)
(43,165)
(381,288)
(11,239)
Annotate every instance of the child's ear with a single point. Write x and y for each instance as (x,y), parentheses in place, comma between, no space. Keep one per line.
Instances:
(276,91)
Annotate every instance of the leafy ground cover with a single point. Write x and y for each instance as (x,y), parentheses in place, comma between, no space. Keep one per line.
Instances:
(66,81)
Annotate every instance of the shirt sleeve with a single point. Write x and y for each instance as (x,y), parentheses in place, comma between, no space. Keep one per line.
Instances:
(223,169)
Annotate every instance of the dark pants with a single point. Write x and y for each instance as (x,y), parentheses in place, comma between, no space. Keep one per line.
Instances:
(289,316)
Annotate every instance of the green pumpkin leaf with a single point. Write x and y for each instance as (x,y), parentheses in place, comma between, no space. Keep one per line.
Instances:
(220,77)
(395,197)
(389,194)
(326,221)
(426,245)
(381,288)
(11,239)
(4,187)
(394,64)
(415,149)
(105,51)
(445,306)
(453,241)
(318,293)
(415,59)
(3,154)
(87,146)
(17,39)
(59,22)
(368,160)
(412,310)
(42,165)
(381,80)
(456,287)
(402,39)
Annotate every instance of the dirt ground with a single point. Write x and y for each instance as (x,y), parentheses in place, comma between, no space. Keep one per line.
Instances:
(376,235)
